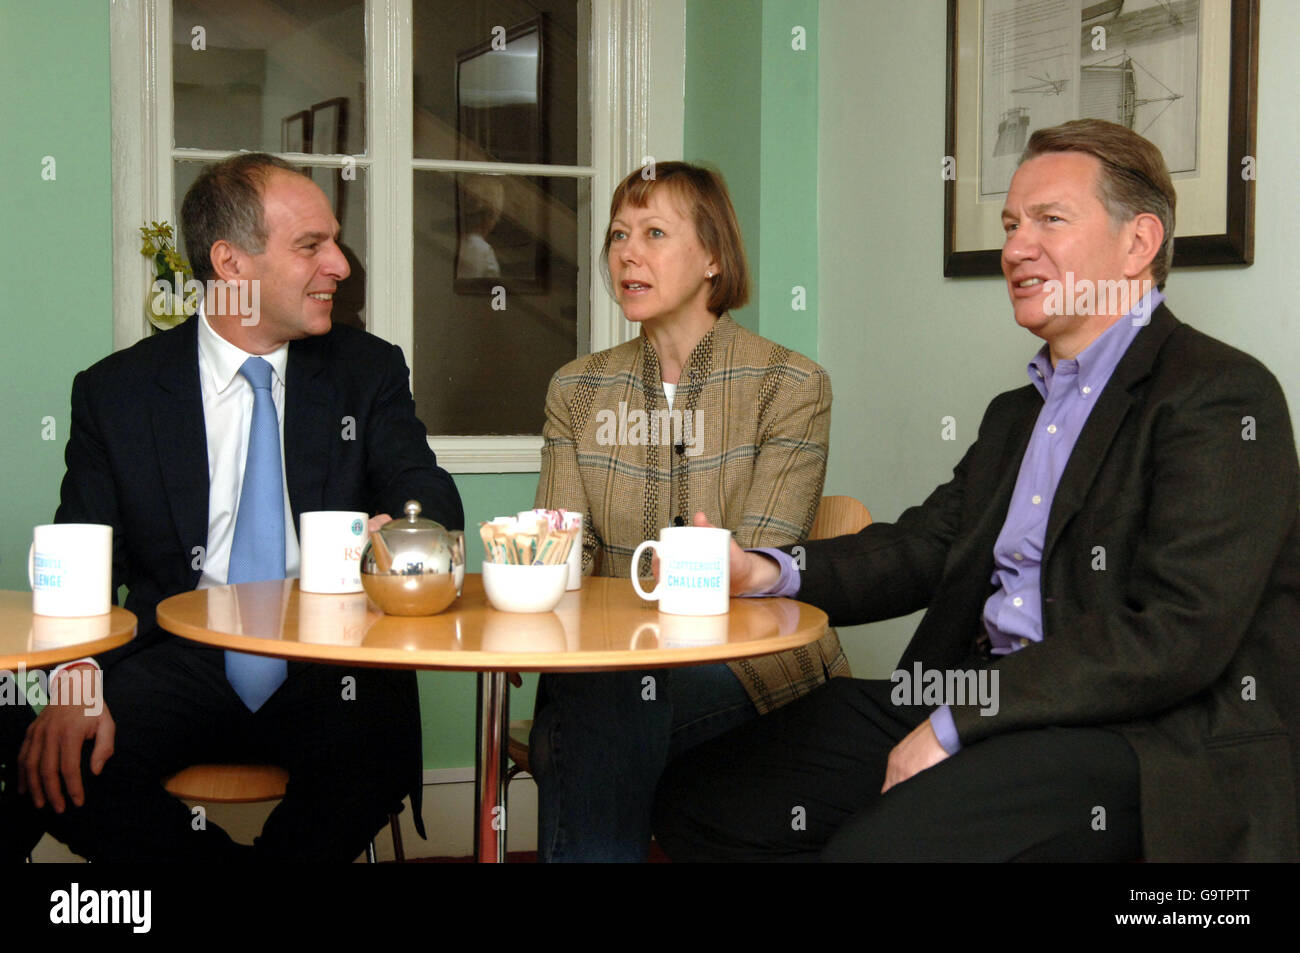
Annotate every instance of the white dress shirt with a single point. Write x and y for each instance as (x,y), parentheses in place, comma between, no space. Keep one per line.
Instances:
(227,416)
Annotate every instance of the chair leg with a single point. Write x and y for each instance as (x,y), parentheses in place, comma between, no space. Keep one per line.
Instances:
(395,826)
(370,851)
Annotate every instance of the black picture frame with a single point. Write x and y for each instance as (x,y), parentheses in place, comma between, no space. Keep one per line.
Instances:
(295,132)
(1235,245)
(510,132)
(329,136)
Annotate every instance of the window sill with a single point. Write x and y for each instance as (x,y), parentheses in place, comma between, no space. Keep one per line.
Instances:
(498,453)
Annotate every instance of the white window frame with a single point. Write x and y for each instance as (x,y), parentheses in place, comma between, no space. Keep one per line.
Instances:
(637,91)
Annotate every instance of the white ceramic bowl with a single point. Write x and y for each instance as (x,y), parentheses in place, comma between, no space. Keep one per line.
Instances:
(524,588)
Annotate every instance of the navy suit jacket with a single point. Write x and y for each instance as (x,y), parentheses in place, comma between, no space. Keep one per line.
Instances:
(1170,587)
(137,460)
(137,453)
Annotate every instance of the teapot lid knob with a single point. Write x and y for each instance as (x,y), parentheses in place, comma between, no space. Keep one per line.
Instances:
(412,510)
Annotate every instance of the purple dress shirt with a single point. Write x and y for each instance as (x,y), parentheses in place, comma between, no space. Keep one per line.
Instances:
(1013,616)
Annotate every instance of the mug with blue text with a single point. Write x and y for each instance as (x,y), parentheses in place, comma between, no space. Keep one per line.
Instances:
(70,569)
(694,570)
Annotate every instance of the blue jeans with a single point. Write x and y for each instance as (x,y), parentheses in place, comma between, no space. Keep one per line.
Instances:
(600,741)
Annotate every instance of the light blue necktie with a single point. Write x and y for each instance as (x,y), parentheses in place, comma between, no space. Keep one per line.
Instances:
(257,552)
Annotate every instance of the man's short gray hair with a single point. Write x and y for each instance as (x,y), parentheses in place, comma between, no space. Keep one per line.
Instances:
(225,202)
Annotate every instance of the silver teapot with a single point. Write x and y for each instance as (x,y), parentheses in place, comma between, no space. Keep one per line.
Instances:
(413,566)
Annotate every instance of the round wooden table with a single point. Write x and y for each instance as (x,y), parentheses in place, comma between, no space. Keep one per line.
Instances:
(37,641)
(603,626)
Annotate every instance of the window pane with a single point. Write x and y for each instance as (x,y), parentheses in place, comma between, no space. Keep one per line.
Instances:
(498,80)
(496,306)
(349,197)
(269,75)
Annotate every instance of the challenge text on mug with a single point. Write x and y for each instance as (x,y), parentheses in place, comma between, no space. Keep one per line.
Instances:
(48,573)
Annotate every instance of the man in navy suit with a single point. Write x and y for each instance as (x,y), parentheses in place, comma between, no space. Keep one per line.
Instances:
(159,442)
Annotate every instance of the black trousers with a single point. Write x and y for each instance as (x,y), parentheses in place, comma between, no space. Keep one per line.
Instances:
(803,783)
(20,829)
(349,737)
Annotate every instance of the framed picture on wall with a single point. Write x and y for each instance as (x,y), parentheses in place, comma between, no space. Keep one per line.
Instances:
(500,219)
(1182,73)
(329,130)
(295,132)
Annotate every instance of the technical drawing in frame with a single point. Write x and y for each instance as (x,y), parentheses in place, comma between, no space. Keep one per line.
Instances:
(1179,72)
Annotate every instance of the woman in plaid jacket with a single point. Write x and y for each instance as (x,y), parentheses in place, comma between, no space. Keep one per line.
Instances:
(697,414)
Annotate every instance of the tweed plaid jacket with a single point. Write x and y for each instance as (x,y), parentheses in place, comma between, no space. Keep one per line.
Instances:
(745,443)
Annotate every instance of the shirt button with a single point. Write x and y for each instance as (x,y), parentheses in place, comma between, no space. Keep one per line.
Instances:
(1036,499)
(678,521)
(1051,428)
(1017,556)
(1087,390)
(1017,602)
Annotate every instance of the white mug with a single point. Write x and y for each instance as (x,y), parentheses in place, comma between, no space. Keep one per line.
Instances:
(694,570)
(70,569)
(331,542)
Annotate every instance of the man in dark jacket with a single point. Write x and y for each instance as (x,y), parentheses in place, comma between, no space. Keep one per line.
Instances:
(1108,665)
(176,443)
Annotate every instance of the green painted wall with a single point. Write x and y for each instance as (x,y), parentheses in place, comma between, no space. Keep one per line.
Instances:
(751,112)
(788,197)
(723,112)
(55,255)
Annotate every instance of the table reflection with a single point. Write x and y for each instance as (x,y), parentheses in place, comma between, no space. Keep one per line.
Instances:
(524,632)
(682,631)
(332,618)
(57,632)
(253,609)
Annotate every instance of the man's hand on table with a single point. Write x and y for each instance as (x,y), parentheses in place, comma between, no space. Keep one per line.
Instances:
(750,572)
(50,757)
(918,751)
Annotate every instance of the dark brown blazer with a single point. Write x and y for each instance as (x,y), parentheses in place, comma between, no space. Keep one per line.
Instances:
(1184,487)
